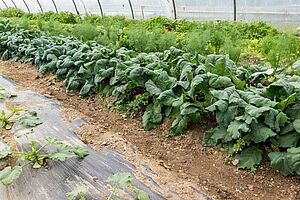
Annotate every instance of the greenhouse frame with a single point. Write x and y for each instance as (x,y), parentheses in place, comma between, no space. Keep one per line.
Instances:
(277,11)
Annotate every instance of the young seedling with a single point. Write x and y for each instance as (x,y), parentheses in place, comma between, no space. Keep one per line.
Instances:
(78,193)
(28,119)
(6,120)
(37,157)
(124,181)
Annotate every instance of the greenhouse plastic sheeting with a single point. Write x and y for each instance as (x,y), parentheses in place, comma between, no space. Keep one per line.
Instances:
(47,5)
(205,10)
(33,6)
(116,7)
(2,4)
(93,7)
(10,3)
(146,9)
(65,5)
(277,11)
(20,4)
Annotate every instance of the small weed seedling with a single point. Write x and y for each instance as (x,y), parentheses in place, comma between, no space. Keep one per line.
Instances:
(37,158)
(78,193)
(124,181)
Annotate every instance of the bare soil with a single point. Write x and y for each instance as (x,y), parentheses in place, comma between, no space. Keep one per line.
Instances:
(180,165)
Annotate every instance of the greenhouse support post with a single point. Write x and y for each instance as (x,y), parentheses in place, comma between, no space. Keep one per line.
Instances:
(40,6)
(84,7)
(75,7)
(131,8)
(143,13)
(26,6)
(4,3)
(14,3)
(174,9)
(234,10)
(100,6)
(55,6)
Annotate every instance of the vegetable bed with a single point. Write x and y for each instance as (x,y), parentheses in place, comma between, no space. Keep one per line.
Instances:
(254,109)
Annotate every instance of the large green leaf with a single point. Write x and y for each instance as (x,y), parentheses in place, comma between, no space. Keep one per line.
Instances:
(167,97)
(164,81)
(288,162)
(234,130)
(179,125)
(214,136)
(122,180)
(65,152)
(73,195)
(225,118)
(152,117)
(5,150)
(281,120)
(288,128)
(280,90)
(62,155)
(86,88)
(197,80)
(293,158)
(60,73)
(152,88)
(279,162)
(141,195)
(296,66)
(188,108)
(260,132)
(286,102)
(9,175)
(293,111)
(270,119)
(220,94)
(255,111)
(29,119)
(67,63)
(235,98)
(289,140)
(73,84)
(296,125)
(79,151)
(220,105)
(249,158)
(220,82)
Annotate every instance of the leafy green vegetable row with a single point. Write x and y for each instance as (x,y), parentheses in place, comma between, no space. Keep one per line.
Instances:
(256,108)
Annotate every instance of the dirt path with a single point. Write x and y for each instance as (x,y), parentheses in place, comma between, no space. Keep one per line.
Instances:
(181,164)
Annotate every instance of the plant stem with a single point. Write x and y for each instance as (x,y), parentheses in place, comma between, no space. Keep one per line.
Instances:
(26,164)
(112,193)
(38,151)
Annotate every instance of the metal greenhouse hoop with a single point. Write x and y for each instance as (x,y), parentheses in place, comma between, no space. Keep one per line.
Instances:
(26,6)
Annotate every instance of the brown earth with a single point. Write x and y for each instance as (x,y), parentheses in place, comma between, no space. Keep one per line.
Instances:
(182,165)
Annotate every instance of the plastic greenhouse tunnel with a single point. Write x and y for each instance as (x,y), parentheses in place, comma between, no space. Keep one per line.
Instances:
(149,99)
(276,11)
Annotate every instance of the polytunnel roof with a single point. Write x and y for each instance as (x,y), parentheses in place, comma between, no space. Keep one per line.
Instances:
(281,11)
